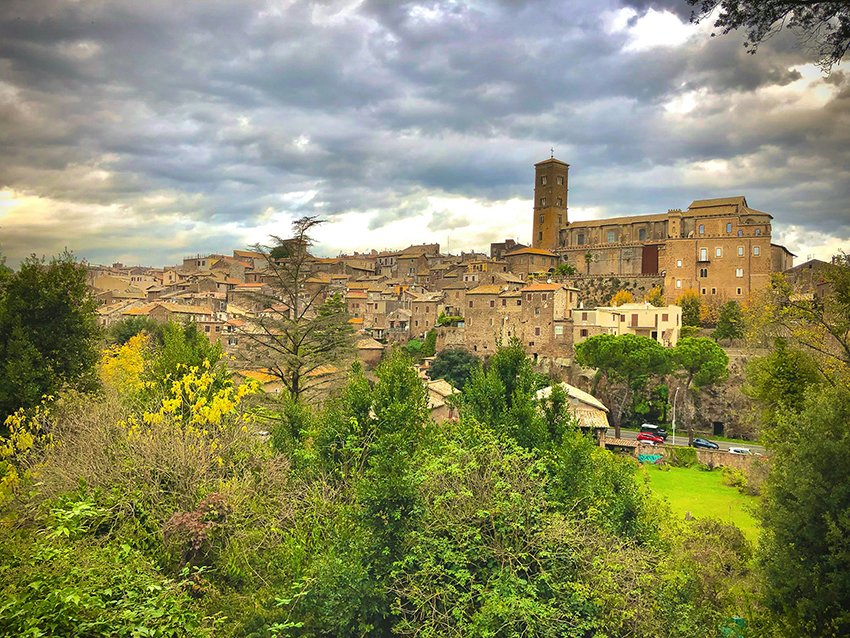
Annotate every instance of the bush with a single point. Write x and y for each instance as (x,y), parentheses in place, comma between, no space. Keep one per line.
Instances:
(682,456)
(735,478)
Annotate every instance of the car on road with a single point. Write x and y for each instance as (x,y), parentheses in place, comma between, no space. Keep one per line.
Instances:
(648,437)
(706,445)
(657,430)
(739,450)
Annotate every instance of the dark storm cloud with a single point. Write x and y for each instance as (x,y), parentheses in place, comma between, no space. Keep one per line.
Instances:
(224,112)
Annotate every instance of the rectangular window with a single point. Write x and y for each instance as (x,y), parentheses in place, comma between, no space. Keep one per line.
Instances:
(426,323)
(427,309)
(663,317)
(584,332)
(457,295)
(714,291)
(504,302)
(470,303)
(729,227)
(584,316)
(740,251)
(703,272)
(702,229)
(739,272)
(537,311)
(756,250)
(537,332)
(678,263)
(758,231)
(703,291)
(559,330)
(580,239)
(492,303)
(560,202)
(542,218)
(634,321)
(560,180)
(611,235)
(678,283)
(718,252)
(543,180)
(416,323)
(543,296)
(519,302)
(642,234)
(206,328)
(528,297)
(540,235)
(542,201)
(739,291)
(703,254)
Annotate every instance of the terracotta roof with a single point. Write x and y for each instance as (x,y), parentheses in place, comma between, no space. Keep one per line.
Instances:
(356,294)
(485,290)
(721,201)
(529,251)
(574,393)
(552,160)
(620,442)
(369,344)
(258,375)
(252,286)
(542,287)
(141,311)
(247,253)
(441,387)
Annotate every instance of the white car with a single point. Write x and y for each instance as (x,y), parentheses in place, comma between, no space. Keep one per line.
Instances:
(739,450)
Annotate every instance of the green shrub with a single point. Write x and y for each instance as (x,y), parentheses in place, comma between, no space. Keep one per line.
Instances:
(735,478)
(682,456)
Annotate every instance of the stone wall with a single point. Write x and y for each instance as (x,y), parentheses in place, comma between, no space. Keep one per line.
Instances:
(713,458)
(597,291)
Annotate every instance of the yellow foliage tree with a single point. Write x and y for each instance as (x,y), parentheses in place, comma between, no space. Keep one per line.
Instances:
(655,296)
(20,451)
(622,296)
(121,367)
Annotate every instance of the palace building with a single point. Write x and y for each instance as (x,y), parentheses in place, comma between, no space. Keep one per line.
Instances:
(719,247)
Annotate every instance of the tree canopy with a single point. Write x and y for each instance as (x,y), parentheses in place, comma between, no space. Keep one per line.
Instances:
(822,27)
(729,323)
(455,365)
(301,331)
(48,332)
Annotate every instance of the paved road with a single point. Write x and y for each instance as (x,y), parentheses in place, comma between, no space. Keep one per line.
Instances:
(682,440)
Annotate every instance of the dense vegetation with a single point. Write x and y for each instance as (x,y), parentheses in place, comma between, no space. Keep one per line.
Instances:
(168,502)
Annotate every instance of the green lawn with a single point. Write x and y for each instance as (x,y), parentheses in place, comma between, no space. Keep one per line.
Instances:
(703,494)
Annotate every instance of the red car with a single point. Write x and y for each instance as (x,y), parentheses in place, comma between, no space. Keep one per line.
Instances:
(646,437)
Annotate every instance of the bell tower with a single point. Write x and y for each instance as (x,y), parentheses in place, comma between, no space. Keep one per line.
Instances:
(550,203)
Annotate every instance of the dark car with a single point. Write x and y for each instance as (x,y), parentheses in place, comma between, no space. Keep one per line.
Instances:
(708,445)
(657,430)
(647,437)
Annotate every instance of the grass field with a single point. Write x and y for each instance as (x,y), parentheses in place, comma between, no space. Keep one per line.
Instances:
(703,494)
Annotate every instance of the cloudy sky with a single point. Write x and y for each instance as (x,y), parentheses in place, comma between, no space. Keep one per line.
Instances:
(145,131)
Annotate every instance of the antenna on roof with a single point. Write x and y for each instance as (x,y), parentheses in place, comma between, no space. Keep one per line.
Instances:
(551,152)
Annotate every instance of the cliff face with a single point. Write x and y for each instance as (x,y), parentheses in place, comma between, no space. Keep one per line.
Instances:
(726,406)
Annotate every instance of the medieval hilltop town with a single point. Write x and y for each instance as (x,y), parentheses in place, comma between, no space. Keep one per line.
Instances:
(720,248)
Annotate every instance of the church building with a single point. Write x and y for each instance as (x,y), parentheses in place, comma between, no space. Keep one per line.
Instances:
(719,247)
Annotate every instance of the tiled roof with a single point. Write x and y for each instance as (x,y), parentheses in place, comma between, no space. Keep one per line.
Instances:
(529,251)
(485,290)
(542,287)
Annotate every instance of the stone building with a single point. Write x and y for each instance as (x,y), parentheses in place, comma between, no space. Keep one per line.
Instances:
(720,247)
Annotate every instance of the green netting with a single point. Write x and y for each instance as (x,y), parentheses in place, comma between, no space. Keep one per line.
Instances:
(648,458)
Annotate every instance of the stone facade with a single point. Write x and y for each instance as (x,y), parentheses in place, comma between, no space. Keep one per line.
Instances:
(719,247)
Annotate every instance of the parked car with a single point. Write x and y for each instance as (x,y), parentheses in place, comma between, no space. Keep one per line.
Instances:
(739,450)
(648,437)
(657,430)
(708,445)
